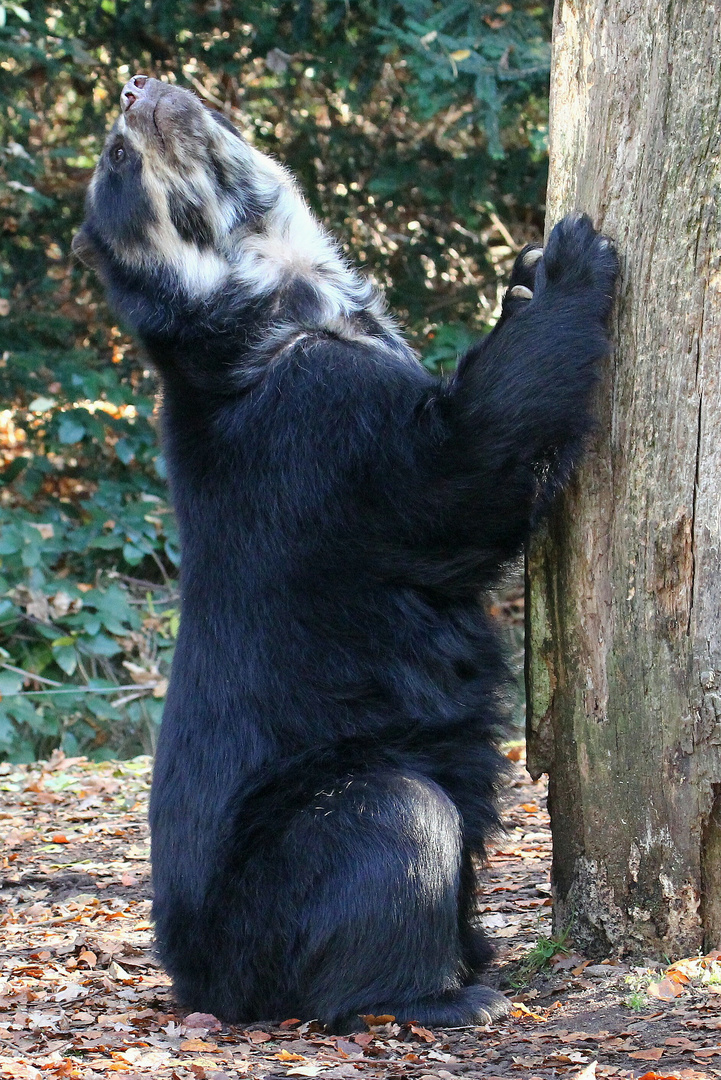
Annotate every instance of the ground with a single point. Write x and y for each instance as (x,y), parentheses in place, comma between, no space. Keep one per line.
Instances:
(81,995)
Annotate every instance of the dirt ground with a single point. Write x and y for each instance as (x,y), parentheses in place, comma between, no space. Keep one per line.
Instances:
(82,996)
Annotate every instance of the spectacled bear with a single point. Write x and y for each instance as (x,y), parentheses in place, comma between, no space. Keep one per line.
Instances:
(328,760)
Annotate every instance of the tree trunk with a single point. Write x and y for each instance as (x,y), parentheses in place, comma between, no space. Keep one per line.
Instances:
(624,587)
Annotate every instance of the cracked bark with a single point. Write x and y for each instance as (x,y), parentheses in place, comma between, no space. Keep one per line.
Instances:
(623,661)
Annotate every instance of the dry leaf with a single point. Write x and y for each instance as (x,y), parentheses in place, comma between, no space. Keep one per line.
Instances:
(199,1046)
(564,962)
(203,1020)
(422,1033)
(377,1021)
(119,974)
(259,1036)
(653,1054)
(664,1076)
(519,1009)
(665,990)
(70,992)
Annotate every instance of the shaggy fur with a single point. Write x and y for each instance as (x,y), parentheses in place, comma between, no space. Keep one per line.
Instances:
(327,764)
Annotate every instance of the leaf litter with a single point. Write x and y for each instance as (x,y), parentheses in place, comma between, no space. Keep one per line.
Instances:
(81,995)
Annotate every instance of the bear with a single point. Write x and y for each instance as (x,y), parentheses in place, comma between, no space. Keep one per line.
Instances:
(328,763)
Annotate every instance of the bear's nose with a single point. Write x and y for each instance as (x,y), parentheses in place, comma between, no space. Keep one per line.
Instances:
(132,90)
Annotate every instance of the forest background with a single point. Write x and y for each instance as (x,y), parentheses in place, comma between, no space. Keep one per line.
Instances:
(418,130)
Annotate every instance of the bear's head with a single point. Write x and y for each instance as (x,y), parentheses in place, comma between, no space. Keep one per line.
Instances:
(177,189)
(198,235)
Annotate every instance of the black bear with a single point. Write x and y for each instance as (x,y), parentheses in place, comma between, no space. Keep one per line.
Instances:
(328,764)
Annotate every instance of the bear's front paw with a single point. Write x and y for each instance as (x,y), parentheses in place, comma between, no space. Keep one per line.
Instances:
(578,256)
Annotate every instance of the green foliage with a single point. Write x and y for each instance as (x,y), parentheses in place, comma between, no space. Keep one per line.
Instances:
(457,63)
(418,131)
(638,1000)
(539,957)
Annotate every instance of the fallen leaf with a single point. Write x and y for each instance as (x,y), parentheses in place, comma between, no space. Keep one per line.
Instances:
(588,1073)
(665,990)
(653,1054)
(119,974)
(687,967)
(676,975)
(348,1048)
(661,1076)
(70,992)
(83,1018)
(199,1045)
(519,1009)
(20,1071)
(203,1020)
(564,962)
(259,1036)
(422,1033)
(377,1021)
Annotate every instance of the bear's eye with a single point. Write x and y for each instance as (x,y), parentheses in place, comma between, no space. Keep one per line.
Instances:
(117,153)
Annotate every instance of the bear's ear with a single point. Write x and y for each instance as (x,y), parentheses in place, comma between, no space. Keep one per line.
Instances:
(84,249)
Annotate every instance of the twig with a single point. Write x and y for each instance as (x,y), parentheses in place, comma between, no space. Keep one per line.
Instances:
(84,690)
(144,584)
(30,675)
(501,228)
(130,697)
(162,569)
(205,92)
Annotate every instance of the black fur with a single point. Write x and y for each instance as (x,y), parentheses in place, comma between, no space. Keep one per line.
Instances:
(328,763)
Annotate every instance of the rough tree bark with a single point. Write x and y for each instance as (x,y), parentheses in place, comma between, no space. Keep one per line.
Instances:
(624,589)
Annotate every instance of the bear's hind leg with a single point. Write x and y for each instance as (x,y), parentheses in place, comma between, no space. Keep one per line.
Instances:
(379,931)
